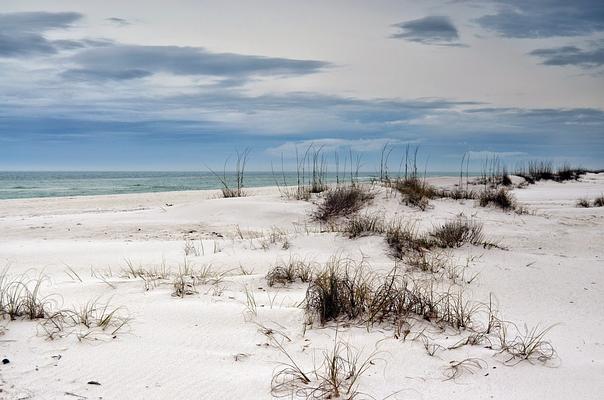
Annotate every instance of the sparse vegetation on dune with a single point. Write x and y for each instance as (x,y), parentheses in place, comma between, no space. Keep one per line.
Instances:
(287,272)
(21,297)
(415,192)
(457,232)
(342,201)
(500,198)
(404,238)
(337,377)
(538,170)
(311,173)
(362,225)
(87,321)
(585,203)
(236,189)
(351,292)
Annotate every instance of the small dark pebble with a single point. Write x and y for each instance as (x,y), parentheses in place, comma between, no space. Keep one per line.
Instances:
(94,383)
(5,361)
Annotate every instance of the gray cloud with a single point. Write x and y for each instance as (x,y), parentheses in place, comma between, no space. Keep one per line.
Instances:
(22,33)
(572,55)
(428,30)
(134,61)
(545,18)
(118,21)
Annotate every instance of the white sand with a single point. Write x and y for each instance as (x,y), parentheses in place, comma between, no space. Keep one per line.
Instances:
(206,346)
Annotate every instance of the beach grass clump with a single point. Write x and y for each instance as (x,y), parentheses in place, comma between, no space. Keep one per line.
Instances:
(233,189)
(458,194)
(544,170)
(188,278)
(500,198)
(456,233)
(337,377)
(583,202)
(363,225)
(540,170)
(341,288)
(403,239)
(525,345)
(342,201)
(21,297)
(86,321)
(415,192)
(428,261)
(599,201)
(350,291)
(290,271)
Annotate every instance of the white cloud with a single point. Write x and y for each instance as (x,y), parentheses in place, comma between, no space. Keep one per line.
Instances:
(331,144)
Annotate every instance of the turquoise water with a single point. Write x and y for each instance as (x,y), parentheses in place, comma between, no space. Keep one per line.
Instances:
(27,184)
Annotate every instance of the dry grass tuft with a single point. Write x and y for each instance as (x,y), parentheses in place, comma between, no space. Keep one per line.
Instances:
(336,378)
(457,232)
(415,192)
(20,296)
(358,226)
(287,272)
(500,198)
(92,320)
(526,345)
(342,201)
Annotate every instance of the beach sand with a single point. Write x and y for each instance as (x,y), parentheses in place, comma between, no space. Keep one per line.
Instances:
(208,345)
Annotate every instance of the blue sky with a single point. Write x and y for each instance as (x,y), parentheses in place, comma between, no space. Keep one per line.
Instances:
(151,85)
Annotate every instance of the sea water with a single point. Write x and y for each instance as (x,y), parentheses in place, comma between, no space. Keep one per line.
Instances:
(28,184)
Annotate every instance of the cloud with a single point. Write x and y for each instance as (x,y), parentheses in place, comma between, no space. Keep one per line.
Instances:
(492,154)
(332,144)
(122,62)
(572,55)
(435,30)
(22,34)
(118,21)
(545,18)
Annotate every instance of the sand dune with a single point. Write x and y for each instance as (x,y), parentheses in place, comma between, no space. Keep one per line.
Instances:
(549,270)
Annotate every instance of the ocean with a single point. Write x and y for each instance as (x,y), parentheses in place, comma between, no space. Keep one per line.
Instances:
(29,184)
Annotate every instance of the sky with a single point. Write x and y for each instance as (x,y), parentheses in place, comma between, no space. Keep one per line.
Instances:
(185,84)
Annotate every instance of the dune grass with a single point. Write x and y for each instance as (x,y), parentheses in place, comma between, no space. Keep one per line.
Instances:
(290,271)
(337,377)
(342,201)
(21,296)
